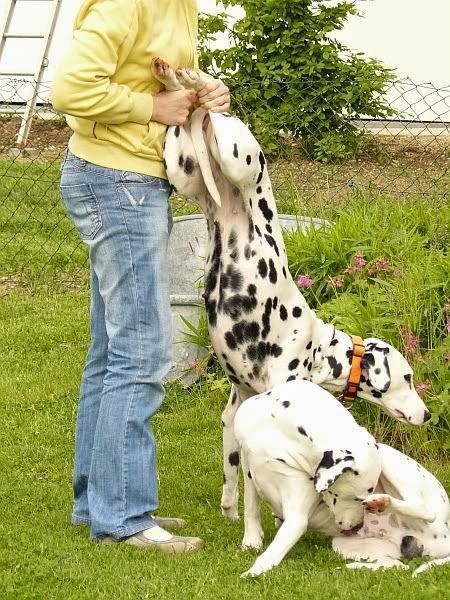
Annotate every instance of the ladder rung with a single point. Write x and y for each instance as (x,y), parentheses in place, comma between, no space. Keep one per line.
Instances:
(24,35)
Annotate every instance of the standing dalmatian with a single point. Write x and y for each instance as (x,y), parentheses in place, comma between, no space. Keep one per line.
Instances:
(260,325)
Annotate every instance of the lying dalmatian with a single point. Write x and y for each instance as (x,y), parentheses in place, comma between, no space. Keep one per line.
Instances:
(329,475)
(260,325)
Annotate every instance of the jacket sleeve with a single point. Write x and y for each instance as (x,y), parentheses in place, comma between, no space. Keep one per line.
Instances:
(82,84)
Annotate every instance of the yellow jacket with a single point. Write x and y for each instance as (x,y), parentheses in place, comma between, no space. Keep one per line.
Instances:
(105,84)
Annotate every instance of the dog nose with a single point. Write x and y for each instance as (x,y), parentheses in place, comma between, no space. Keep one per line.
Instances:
(426,416)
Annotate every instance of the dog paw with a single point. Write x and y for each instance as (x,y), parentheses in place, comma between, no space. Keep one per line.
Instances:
(377,503)
(252,541)
(231,514)
(255,571)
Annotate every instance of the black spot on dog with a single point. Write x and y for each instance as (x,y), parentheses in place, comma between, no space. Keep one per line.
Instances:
(293,364)
(302,431)
(335,367)
(411,547)
(281,460)
(266,318)
(248,159)
(235,151)
(276,351)
(291,378)
(284,273)
(408,379)
(283,312)
(259,189)
(286,403)
(272,243)
(264,208)
(262,162)
(268,228)
(247,252)
(233,459)
(262,267)
(232,239)
(306,362)
(251,290)
(376,394)
(249,475)
(334,342)
(230,369)
(181,160)
(258,231)
(211,312)
(296,312)
(272,272)
(309,345)
(230,340)
(189,165)
(177,131)
(234,379)
(275,303)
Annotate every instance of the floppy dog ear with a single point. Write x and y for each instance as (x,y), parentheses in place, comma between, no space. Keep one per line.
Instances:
(375,364)
(333,464)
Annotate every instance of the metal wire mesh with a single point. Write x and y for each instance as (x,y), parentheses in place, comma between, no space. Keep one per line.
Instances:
(405,156)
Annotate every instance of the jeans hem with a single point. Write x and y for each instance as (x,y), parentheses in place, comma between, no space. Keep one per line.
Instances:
(76,520)
(124,532)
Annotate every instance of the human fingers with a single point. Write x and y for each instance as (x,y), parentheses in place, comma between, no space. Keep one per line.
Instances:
(210,87)
(219,104)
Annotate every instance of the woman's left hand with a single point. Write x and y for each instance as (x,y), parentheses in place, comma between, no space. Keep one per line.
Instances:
(215,96)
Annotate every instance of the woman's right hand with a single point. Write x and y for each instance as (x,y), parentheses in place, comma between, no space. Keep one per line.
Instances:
(173,108)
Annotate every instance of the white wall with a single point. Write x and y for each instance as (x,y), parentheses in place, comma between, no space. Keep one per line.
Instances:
(409,35)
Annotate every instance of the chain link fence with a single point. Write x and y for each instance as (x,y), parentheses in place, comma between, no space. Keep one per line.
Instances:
(406,156)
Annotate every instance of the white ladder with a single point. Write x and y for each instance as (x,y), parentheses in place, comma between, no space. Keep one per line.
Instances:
(42,58)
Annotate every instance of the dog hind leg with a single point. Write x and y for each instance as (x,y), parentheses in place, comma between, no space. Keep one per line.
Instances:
(231,458)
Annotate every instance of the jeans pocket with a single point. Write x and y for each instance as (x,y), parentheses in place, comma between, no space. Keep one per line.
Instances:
(83,208)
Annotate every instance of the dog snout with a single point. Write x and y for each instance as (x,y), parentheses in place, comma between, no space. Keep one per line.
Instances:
(426,416)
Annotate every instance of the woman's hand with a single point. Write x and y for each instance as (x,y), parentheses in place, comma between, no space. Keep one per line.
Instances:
(215,96)
(173,108)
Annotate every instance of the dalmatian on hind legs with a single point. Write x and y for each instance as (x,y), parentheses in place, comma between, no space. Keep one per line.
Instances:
(261,328)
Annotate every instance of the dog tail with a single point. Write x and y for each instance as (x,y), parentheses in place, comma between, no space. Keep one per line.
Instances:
(202,154)
(429,565)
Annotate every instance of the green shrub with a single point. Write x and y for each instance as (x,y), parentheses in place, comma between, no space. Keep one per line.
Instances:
(286,73)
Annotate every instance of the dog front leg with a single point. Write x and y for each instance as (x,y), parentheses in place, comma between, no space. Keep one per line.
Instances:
(380,503)
(253,532)
(292,529)
(230,491)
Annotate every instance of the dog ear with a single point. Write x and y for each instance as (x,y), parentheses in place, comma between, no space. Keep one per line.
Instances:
(333,464)
(375,364)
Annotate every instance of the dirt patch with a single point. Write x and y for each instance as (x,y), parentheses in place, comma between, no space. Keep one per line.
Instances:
(47,139)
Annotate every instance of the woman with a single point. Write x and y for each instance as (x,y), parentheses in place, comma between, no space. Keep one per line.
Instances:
(115,190)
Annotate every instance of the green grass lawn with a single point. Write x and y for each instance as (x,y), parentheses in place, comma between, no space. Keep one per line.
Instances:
(44,337)
(43,342)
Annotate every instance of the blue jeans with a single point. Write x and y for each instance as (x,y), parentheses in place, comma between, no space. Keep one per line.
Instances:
(125,220)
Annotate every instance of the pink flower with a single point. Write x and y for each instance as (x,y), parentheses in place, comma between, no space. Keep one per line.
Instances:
(381,264)
(397,273)
(448,325)
(446,306)
(411,340)
(423,387)
(194,364)
(357,266)
(336,282)
(305,281)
